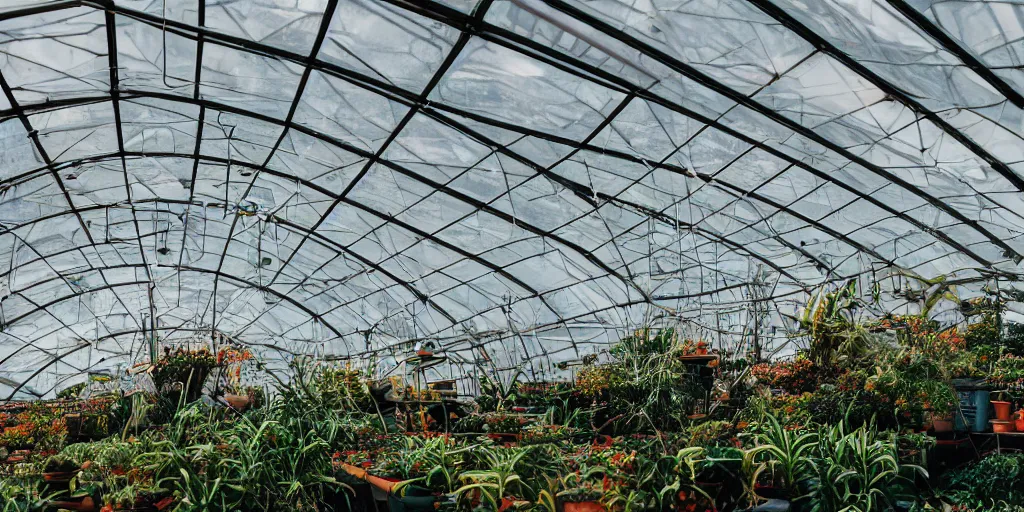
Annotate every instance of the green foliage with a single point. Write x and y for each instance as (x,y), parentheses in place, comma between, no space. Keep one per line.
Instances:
(830,404)
(499,480)
(271,461)
(647,388)
(71,391)
(22,495)
(181,365)
(829,321)
(860,471)
(498,392)
(788,454)
(1009,372)
(993,481)
(1013,339)
(327,387)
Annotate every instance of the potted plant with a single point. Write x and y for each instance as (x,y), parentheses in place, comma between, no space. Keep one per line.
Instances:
(237,398)
(81,501)
(59,470)
(183,367)
(943,402)
(232,359)
(539,434)
(498,484)
(503,426)
(241,397)
(1001,409)
(1008,372)
(720,464)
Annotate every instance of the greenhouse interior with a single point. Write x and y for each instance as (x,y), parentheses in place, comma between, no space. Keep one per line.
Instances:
(512,255)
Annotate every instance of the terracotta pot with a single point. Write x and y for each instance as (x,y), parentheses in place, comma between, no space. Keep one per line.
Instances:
(1019,422)
(1002,410)
(701,352)
(1001,426)
(164,503)
(86,504)
(58,476)
(384,484)
(942,424)
(584,506)
(237,402)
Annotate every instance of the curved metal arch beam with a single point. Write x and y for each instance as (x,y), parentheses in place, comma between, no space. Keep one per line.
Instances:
(458,20)
(300,229)
(108,21)
(747,102)
(32,344)
(810,222)
(502,37)
(430,183)
(42,368)
(587,193)
(468,22)
(320,238)
(449,17)
(580,190)
(430,110)
(325,22)
(660,216)
(312,314)
(561,321)
(966,56)
(37,308)
(366,154)
(506,38)
(295,227)
(33,134)
(938,235)
(779,15)
(575,187)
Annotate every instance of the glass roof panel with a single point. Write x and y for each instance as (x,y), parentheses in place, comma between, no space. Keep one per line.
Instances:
(336,177)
